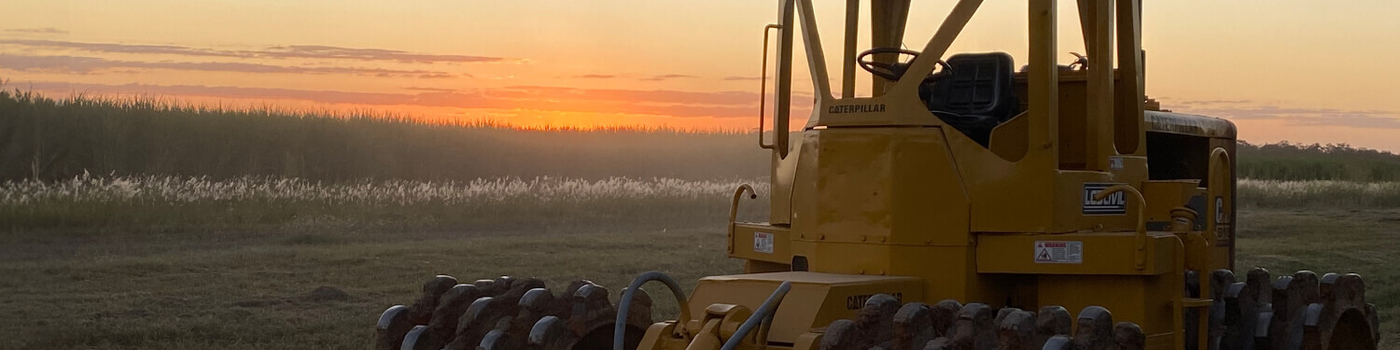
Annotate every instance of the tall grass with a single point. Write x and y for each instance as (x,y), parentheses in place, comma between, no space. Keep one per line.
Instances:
(150,201)
(56,139)
(155,202)
(1322,193)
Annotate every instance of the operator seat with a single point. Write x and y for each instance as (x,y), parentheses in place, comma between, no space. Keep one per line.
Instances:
(975,95)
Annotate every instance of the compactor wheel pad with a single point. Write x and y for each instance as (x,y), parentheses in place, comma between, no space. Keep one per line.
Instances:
(1293,312)
(1301,311)
(884,324)
(508,313)
(396,322)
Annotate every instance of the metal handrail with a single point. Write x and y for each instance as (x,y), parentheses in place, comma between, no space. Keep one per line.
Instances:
(763,87)
(734,210)
(1140,204)
(1218,169)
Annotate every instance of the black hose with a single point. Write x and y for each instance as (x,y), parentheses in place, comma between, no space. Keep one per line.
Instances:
(764,314)
(620,327)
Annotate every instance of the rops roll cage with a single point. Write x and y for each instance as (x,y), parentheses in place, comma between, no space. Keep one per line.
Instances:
(1113,110)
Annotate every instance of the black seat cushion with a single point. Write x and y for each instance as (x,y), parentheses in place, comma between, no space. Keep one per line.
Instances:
(976,94)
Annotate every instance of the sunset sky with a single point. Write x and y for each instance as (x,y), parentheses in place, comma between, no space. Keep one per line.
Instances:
(1302,71)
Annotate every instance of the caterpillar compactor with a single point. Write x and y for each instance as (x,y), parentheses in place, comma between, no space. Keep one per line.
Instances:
(966,203)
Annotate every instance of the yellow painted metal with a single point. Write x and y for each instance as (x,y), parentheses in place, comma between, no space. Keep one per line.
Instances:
(1164,196)
(1009,139)
(734,210)
(782,86)
(1129,93)
(743,240)
(881,199)
(848,63)
(1220,196)
(816,59)
(887,22)
(1183,219)
(1178,302)
(1137,204)
(1111,253)
(1190,125)
(1042,85)
(660,337)
(879,195)
(763,88)
(1097,18)
(815,300)
(808,341)
(782,178)
(1146,300)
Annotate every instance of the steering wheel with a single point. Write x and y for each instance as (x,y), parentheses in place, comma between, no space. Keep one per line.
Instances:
(889,71)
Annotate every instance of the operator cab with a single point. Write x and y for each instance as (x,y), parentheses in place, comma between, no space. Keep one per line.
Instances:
(973,92)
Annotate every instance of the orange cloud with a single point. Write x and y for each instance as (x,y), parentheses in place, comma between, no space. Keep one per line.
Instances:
(45,30)
(292,51)
(665,77)
(89,65)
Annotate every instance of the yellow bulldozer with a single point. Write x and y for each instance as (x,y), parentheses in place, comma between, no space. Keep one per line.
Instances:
(966,203)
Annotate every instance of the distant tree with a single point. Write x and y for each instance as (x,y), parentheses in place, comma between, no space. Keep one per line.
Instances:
(1334,161)
(52,139)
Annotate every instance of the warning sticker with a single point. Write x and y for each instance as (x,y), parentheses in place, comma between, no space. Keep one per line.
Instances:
(1059,252)
(1115,163)
(763,242)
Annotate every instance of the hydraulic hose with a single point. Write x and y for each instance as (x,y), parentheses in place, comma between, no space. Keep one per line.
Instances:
(620,327)
(763,315)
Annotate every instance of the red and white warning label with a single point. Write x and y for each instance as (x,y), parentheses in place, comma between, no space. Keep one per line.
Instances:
(1059,252)
(763,242)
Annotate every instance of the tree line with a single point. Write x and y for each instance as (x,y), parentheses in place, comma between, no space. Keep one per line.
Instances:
(46,138)
(1295,161)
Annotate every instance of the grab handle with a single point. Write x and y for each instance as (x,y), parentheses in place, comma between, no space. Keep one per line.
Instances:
(763,88)
(1140,259)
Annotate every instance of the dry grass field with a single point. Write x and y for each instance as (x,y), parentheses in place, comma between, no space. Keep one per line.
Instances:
(1365,241)
(252,289)
(178,263)
(219,282)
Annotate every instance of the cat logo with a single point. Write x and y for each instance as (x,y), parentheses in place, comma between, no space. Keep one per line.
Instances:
(1220,217)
